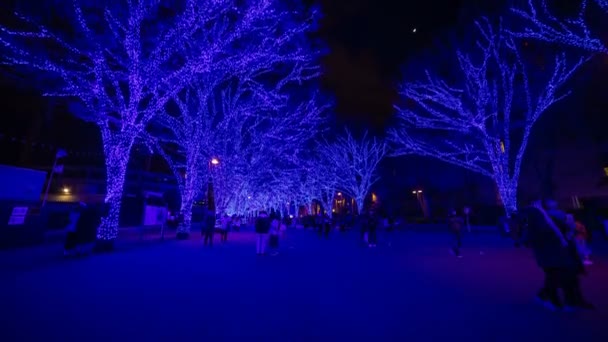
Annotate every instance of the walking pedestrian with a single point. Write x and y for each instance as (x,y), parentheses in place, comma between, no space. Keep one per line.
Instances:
(71,239)
(262,227)
(455,224)
(225,228)
(275,226)
(326,225)
(372,228)
(209,228)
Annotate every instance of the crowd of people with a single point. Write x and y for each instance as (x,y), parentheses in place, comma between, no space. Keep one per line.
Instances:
(558,240)
(559,245)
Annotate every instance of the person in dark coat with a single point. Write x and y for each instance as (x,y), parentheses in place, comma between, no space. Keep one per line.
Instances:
(548,246)
(573,267)
(319,224)
(554,256)
(209,227)
(70,247)
(86,227)
(364,223)
(372,228)
(455,224)
(262,228)
(326,225)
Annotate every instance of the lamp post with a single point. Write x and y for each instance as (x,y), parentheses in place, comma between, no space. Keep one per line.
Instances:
(210,194)
(56,169)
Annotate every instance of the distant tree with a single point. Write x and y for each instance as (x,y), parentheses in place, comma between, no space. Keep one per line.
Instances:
(483,120)
(356,161)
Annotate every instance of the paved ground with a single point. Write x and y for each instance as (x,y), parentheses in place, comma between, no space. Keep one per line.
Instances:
(317,290)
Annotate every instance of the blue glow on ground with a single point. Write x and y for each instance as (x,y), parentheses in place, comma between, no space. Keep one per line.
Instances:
(319,290)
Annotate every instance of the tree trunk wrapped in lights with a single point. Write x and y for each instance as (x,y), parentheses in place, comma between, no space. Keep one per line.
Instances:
(357,161)
(125,62)
(482,122)
(543,25)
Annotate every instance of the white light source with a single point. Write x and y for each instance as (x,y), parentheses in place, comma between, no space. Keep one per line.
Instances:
(419,191)
(66,190)
(339,194)
(214,161)
(414,30)
(414,192)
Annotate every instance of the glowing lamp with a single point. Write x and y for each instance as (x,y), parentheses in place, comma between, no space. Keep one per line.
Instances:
(339,194)
(66,190)
(214,161)
(414,192)
(419,191)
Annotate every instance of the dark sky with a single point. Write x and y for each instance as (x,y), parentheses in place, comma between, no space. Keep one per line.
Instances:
(370,39)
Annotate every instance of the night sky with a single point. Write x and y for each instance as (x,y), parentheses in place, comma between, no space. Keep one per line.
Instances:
(368,43)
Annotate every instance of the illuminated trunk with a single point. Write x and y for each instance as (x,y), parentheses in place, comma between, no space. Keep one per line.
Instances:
(507,191)
(359,202)
(117,149)
(190,188)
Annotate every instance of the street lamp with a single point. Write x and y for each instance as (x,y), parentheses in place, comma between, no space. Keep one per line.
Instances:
(210,194)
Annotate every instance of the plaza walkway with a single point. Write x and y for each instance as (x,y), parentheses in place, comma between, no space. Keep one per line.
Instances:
(315,290)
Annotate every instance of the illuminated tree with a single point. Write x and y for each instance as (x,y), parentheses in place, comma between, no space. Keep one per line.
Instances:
(125,62)
(482,121)
(575,32)
(356,161)
(192,125)
(326,183)
(306,186)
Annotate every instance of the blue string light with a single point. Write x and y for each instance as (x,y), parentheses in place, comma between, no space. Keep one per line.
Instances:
(483,122)
(125,75)
(542,25)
